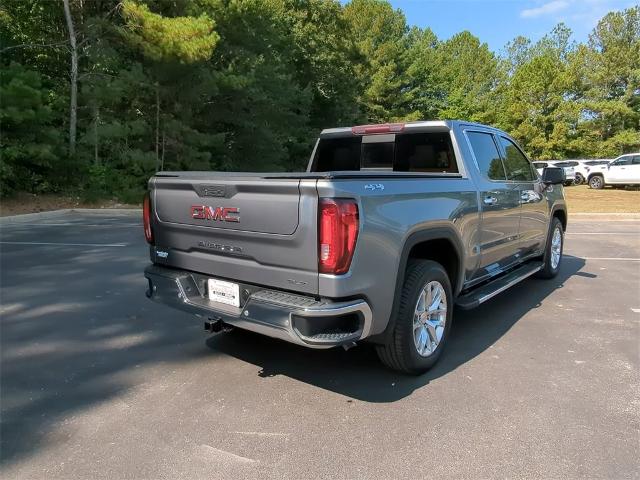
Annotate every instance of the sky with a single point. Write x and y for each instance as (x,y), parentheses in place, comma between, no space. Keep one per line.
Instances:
(496,22)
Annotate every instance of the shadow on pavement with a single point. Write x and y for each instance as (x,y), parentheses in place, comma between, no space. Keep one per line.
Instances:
(75,326)
(358,373)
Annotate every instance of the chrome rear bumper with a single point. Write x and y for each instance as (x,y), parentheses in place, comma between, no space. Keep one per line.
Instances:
(294,318)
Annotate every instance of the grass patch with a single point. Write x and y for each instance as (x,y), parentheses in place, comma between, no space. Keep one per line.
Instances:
(582,199)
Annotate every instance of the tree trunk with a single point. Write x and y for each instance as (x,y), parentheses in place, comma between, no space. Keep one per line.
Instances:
(157,127)
(73,103)
(95,136)
(162,158)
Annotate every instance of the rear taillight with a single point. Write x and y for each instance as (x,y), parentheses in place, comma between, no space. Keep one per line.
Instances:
(338,231)
(146,218)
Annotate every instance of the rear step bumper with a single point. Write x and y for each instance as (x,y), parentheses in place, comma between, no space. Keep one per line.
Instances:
(298,319)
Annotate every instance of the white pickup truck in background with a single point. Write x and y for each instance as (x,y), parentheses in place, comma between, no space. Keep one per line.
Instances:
(624,170)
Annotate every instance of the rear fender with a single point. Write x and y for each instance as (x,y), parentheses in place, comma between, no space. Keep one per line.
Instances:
(438,233)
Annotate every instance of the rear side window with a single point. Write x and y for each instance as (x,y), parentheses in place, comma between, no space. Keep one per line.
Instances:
(566,164)
(515,163)
(487,156)
(429,152)
(425,152)
(636,160)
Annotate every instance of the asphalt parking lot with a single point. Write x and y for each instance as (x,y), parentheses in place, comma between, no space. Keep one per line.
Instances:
(98,382)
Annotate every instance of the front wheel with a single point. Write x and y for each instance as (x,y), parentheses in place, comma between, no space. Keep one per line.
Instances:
(596,182)
(579,179)
(423,321)
(553,250)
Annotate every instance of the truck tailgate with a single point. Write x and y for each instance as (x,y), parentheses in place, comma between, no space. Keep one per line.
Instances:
(243,227)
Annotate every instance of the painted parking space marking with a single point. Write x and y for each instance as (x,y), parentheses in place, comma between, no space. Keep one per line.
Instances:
(621,259)
(604,233)
(70,225)
(67,244)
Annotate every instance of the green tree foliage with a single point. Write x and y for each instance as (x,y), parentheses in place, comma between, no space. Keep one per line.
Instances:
(468,72)
(536,110)
(380,34)
(185,39)
(29,142)
(247,84)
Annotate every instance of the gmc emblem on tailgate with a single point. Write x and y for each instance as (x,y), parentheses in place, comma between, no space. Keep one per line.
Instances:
(222,214)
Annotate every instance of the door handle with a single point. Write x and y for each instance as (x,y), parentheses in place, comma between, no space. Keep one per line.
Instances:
(489,200)
(529,196)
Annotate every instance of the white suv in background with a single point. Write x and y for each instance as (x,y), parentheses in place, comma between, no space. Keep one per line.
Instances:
(584,167)
(568,166)
(624,170)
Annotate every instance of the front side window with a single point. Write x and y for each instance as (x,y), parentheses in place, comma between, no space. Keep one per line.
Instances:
(487,155)
(515,163)
(621,161)
(636,160)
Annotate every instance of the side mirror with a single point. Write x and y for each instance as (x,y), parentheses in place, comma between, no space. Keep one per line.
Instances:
(553,176)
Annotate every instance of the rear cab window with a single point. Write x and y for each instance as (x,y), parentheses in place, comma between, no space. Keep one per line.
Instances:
(426,152)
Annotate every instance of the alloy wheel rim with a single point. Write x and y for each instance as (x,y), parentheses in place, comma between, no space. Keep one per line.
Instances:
(556,248)
(596,182)
(429,318)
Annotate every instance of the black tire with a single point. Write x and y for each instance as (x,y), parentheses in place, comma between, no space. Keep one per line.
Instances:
(549,271)
(579,179)
(401,353)
(596,182)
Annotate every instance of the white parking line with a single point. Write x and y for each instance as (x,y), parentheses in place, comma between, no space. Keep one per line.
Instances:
(70,225)
(612,258)
(637,234)
(68,244)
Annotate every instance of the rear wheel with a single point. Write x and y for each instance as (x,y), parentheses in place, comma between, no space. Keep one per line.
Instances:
(596,182)
(423,321)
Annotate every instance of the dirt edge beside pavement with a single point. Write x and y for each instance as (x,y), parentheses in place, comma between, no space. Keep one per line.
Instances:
(29,203)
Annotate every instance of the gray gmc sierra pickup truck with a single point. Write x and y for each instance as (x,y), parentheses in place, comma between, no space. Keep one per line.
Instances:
(389,228)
